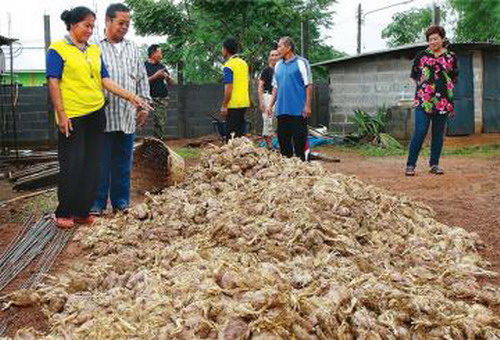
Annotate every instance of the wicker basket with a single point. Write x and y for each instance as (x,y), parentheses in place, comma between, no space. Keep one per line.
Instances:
(156,166)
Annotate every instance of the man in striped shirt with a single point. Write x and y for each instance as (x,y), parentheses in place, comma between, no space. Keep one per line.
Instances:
(125,67)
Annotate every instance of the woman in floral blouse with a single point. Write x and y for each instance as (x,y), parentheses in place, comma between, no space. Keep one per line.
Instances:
(435,73)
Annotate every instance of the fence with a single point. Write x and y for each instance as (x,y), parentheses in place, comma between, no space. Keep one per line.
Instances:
(187,114)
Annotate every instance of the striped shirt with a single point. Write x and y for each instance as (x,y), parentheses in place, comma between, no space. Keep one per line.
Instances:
(126,68)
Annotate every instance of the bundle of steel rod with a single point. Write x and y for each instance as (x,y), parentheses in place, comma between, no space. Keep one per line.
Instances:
(49,256)
(40,176)
(29,243)
(30,170)
(48,156)
(31,240)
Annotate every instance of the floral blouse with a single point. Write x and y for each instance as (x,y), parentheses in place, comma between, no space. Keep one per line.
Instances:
(436,78)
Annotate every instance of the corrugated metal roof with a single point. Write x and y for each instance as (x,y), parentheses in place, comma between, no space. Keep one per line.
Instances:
(408,48)
(6,41)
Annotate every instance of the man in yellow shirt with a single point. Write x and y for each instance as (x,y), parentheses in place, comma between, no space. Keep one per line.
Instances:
(236,94)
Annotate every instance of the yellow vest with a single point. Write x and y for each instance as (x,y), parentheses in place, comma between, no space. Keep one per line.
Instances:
(81,86)
(240,96)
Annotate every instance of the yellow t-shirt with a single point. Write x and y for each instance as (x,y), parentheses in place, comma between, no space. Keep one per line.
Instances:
(240,96)
(81,86)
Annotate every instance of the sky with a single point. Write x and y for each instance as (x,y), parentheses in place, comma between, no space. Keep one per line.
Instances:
(26,24)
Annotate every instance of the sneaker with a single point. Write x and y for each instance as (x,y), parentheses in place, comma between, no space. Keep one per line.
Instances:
(436,170)
(64,222)
(95,212)
(85,220)
(123,210)
(410,171)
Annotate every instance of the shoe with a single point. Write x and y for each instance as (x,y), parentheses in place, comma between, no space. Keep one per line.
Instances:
(123,210)
(85,220)
(436,170)
(410,171)
(96,212)
(64,222)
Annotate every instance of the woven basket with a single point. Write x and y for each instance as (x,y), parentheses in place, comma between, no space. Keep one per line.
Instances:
(156,166)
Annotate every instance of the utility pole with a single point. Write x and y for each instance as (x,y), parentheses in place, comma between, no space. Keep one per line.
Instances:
(9,25)
(360,21)
(304,38)
(50,109)
(436,14)
(46,30)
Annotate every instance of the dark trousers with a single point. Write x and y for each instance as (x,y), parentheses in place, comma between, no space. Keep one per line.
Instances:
(79,158)
(235,122)
(116,166)
(422,122)
(292,135)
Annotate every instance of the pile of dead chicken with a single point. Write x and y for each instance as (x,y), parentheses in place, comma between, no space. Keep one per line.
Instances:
(255,246)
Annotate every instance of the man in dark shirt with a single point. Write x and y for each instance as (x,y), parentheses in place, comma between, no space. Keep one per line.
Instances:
(159,78)
(265,90)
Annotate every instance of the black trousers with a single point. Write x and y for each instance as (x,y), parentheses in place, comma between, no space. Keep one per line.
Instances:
(235,122)
(292,135)
(79,164)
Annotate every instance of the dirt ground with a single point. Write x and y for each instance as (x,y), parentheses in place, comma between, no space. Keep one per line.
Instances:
(468,196)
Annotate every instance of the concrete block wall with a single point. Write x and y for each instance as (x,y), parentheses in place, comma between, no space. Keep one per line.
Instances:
(33,124)
(172,117)
(367,84)
(187,113)
(198,101)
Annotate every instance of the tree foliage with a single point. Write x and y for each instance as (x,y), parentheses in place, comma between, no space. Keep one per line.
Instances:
(195,30)
(478,20)
(407,27)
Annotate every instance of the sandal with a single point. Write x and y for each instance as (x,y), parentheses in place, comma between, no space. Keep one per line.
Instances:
(85,220)
(64,222)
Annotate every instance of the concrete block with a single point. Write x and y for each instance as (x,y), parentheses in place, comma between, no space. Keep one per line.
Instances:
(353,78)
(338,118)
(382,87)
(384,66)
(369,67)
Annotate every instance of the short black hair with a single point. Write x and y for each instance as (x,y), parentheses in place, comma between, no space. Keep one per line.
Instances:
(152,49)
(75,15)
(113,8)
(435,30)
(231,45)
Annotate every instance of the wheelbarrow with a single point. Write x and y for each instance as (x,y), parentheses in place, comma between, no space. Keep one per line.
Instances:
(219,125)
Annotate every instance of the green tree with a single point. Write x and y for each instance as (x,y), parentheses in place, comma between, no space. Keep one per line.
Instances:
(407,27)
(196,28)
(478,20)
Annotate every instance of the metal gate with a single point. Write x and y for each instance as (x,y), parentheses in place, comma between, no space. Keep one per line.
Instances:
(463,121)
(491,93)
(320,105)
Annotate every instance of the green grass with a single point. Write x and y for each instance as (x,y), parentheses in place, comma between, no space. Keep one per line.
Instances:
(475,150)
(487,150)
(38,206)
(187,152)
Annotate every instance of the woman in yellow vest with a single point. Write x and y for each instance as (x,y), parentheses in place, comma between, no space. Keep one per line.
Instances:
(76,78)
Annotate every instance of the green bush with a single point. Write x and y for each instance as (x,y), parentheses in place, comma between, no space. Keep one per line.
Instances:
(371,129)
